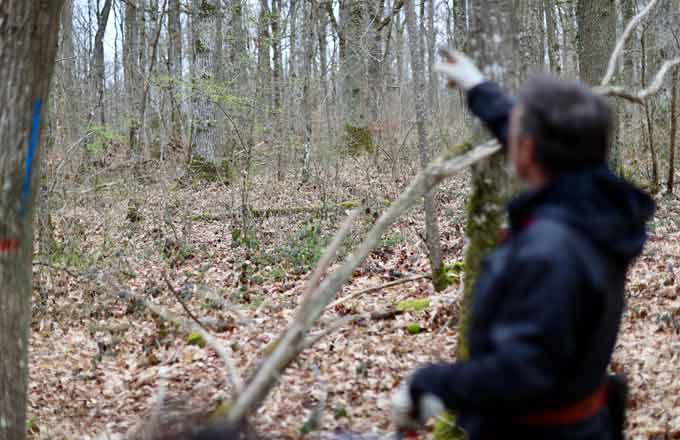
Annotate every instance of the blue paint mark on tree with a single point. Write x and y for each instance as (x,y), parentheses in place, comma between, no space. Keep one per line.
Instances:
(32,144)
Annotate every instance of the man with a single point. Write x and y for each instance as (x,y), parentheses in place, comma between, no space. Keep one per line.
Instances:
(548,301)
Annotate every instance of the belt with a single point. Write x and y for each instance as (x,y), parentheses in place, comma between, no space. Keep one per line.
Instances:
(570,414)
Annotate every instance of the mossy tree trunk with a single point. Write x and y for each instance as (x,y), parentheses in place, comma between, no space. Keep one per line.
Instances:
(28,47)
(500,59)
(357,134)
(431,225)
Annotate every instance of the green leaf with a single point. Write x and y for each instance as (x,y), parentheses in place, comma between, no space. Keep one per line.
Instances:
(414,328)
(195,338)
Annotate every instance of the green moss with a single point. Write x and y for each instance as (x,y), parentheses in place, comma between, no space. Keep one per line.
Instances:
(485,218)
(414,328)
(445,428)
(358,140)
(195,338)
(413,305)
(458,149)
(220,413)
(349,204)
(202,169)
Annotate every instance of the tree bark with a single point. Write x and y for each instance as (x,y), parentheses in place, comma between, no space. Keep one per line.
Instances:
(204,127)
(597,38)
(308,34)
(489,177)
(431,224)
(674,131)
(358,135)
(100,72)
(28,47)
(175,67)
(131,71)
(553,40)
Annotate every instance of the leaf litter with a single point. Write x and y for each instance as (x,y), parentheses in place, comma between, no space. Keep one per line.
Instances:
(97,357)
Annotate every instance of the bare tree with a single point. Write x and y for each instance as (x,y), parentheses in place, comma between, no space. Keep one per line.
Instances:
(418,68)
(100,73)
(206,13)
(28,47)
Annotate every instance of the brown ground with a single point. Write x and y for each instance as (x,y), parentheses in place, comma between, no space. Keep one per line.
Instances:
(96,359)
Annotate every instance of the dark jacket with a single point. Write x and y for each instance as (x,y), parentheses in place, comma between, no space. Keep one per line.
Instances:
(547,303)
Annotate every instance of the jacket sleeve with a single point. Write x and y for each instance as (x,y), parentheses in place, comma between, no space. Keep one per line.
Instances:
(534,343)
(488,102)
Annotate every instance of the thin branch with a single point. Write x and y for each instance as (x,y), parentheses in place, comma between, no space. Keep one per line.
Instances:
(178,296)
(375,289)
(232,374)
(611,68)
(658,79)
(639,97)
(330,252)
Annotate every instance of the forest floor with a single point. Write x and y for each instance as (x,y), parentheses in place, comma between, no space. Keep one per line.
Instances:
(98,359)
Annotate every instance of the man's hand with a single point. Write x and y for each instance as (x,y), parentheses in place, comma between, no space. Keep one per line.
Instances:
(459,69)
(410,415)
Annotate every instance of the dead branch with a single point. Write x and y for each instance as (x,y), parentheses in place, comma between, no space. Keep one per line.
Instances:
(658,79)
(611,68)
(642,95)
(233,376)
(292,341)
(375,289)
(178,296)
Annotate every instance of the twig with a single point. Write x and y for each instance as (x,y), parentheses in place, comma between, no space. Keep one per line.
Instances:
(330,252)
(178,296)
(314,338)
(375,289)
(233,376)
(632,24)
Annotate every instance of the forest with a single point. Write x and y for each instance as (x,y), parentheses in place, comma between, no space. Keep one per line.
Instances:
(275,210)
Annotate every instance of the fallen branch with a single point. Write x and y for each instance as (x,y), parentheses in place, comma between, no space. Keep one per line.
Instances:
(233,377)
(265,213)
(375,289)
(178,296)
(292,341)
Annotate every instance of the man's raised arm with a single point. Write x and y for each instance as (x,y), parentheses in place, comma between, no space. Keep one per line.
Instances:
(485,98)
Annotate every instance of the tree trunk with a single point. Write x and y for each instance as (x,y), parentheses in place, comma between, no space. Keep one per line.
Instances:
(100,73)
(674,131)
(175,68)
(308,34)
(649,113)
(28,47)
(277,78)
(597,38)
(204,131)
(431,224)
(131,71)
(358,136)
(489,178)
(553,40)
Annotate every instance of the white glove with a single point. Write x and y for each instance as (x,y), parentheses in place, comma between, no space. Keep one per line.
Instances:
(459,69)
(405,414)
